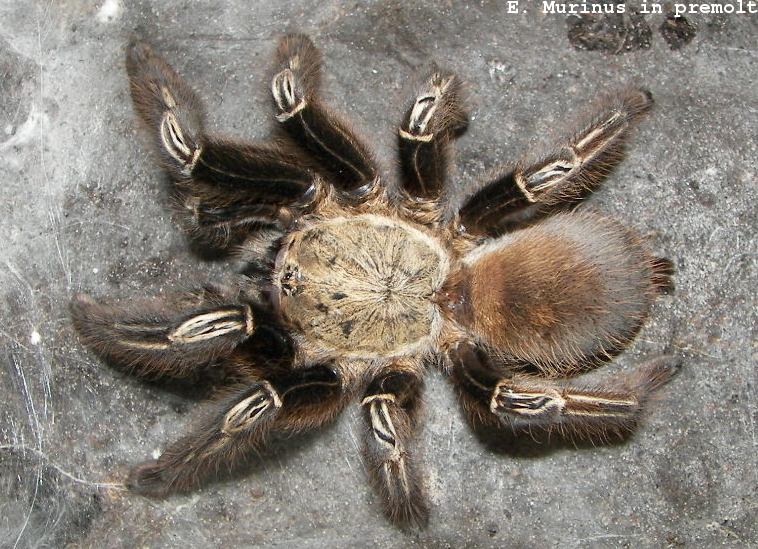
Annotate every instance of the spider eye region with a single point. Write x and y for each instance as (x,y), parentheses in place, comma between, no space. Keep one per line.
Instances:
(362,285)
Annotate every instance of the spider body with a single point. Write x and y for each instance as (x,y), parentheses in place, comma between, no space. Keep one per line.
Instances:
(353,286)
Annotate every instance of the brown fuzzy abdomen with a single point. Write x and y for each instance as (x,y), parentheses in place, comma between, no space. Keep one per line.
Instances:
(563,293)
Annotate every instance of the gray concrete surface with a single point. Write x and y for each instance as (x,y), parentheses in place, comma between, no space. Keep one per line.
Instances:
(84,208)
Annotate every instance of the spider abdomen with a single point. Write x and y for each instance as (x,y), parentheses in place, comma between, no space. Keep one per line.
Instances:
(563,293)
(362,285)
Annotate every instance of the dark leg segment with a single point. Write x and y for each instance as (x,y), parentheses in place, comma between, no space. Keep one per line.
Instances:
(493,203)
(564,176)
(234,187)
(241,425)
(390,406)
(295,89)
(425,134)
(525,402)
(222,187)
(165,337)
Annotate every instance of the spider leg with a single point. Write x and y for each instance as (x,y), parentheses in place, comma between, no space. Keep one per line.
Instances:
(235,188)
(285,400)
(300,112)
(223,188)
(171,337)
(424,136)
(563,176)
(390,406)
(492,395)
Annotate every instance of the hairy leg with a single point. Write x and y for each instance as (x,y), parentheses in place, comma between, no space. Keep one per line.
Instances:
(390,405)
(301,113)
(564,175)
(223,188)
(613,407)
(425,134)
(285,400)
(169,336)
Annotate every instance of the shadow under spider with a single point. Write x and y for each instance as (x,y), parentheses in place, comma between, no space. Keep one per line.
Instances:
(538,442)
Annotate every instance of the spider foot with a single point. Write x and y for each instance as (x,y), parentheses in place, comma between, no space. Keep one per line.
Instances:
(611,407)
(242,424)
(148,479)
(290,400)
(224,189)
(389,406)
(436,109)
(588,156)
(562,176)
(299,76)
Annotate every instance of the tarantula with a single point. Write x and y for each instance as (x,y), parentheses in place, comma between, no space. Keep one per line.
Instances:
(353,286)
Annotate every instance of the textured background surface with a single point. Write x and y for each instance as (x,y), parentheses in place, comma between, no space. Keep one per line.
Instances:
(83,208)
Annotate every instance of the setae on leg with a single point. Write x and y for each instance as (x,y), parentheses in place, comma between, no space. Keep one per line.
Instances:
(224,189)
(295,88)
(241,425)
(564,175)
(425,134)
(166,337)
(613,407)
(390,405)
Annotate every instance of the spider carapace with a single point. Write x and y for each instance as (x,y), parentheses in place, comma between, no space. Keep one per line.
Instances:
(353,287)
